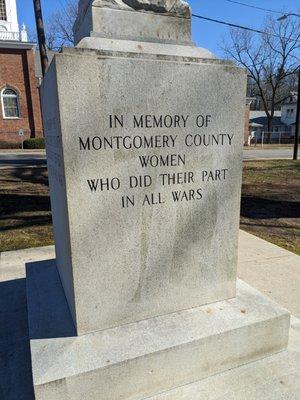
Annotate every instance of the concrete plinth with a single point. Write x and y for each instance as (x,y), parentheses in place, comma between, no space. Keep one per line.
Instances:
(143,359)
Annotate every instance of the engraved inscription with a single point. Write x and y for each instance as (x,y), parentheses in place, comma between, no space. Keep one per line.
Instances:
(158,150)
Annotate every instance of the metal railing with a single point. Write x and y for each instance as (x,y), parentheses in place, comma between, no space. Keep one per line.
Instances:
(279,138)
(5,35)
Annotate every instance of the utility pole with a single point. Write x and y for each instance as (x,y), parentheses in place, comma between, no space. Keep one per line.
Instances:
(41,34)
(296,144)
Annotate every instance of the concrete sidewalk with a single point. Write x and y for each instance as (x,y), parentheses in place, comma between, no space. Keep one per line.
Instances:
(23,159)
(272,270)
(20,152)
(268,154)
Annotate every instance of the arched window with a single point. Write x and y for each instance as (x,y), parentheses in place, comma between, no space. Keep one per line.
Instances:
(10,103)
(3,16)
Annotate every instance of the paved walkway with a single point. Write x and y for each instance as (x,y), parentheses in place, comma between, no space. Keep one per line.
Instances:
(272,270)
(22,159)
(265,154)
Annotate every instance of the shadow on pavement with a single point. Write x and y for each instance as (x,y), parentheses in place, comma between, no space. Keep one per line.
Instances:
(24,162)
(48,311)
(15,361)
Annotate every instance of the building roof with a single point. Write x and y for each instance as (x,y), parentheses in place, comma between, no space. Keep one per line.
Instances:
(15,44)
(260,118)
(259,114)
(256,125)
(292,99)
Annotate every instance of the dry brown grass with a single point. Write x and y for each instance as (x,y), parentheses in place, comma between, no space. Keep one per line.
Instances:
(271,202)
(25,213)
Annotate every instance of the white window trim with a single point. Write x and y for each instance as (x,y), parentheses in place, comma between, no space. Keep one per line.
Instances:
(2,103)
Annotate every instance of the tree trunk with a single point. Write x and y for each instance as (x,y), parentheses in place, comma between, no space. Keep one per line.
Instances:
(270,124)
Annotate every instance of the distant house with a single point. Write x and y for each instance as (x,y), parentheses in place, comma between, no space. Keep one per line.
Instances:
(289,112)
(283,124)
(259,117)
(20,77)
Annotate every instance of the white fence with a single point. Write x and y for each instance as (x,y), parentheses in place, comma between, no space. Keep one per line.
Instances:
(279,138)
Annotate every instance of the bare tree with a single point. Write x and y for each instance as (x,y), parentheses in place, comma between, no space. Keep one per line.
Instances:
(59,26)
(271,61)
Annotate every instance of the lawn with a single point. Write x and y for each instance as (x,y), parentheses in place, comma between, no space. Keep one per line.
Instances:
(271,202)
(270,205)
(25,212)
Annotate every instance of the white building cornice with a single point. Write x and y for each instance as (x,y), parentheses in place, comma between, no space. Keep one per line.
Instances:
(9,28)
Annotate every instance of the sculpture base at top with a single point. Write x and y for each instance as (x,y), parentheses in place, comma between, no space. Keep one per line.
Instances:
(162,21)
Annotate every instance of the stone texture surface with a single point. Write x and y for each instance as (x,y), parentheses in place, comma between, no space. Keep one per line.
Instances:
(143,48)
(273,378)
(124,24)
(174,7)
(58,191)
(135,263)
(148,357)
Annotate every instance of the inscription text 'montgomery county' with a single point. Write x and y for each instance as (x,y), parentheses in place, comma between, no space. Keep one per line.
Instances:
(152,142)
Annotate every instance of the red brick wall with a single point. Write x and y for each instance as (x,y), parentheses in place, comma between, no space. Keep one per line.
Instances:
(17,70)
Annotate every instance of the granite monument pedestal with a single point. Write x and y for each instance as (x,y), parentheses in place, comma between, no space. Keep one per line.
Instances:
(144,148)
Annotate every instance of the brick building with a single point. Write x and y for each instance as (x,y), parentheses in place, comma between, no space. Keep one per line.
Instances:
(19,84)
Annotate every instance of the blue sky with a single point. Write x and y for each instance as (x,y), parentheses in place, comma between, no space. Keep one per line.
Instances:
(205,34)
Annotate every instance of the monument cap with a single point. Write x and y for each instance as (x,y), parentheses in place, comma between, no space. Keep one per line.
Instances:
(164,21)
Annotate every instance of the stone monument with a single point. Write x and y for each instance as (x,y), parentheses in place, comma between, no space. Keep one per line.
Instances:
(144,135)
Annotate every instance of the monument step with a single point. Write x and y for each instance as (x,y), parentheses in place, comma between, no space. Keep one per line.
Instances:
(273,378)
(143,359)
